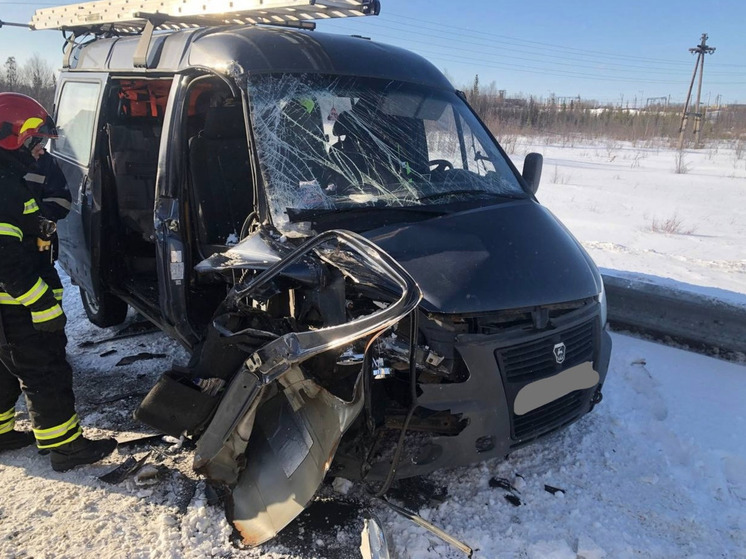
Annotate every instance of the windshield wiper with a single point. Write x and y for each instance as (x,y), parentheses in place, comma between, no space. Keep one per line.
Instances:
(437,195)
(322,215)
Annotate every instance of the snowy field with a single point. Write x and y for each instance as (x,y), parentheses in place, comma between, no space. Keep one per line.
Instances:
(637,217)
(658,470)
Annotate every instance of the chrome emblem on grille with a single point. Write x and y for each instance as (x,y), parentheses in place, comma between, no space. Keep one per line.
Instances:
(559,352)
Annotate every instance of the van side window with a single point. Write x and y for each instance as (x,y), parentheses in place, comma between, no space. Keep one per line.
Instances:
(76,120)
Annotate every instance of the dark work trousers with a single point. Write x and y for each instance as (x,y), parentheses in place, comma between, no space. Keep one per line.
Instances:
(35,362)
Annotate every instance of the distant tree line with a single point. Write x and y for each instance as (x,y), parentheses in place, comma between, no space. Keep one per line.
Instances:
(35,78)
(530,115)
(505,116)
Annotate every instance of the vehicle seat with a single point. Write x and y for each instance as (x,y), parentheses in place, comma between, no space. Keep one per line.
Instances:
(134,161)
(361,153)
(221,174)
(347,153)
(302,148)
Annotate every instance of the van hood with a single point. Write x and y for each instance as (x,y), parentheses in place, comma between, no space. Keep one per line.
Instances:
(508,256)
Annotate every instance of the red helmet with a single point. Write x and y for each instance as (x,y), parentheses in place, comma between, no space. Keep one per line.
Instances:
(23,121)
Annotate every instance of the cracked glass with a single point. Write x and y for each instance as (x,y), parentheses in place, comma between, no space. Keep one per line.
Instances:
(331,143)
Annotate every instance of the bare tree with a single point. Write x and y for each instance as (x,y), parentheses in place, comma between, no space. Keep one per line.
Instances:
(11,74)
(38,77)
(35,78)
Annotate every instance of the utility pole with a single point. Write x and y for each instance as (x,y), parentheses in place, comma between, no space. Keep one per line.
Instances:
(700,50)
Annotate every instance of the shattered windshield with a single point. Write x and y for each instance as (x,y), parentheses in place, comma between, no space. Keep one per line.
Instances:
(329,143)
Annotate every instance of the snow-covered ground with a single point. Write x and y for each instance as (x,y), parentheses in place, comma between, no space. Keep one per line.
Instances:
(657,470)
(637,217)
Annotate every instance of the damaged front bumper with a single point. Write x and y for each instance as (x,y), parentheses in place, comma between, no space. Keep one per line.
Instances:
(371,387)
(510,391)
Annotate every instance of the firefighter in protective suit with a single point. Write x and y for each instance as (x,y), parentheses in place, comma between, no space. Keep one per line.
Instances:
(32,322)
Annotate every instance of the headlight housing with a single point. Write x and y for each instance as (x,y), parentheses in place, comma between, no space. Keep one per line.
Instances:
(602,304)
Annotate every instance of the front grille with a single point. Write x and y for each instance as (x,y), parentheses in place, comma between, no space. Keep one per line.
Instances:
(534,360)
(550,416)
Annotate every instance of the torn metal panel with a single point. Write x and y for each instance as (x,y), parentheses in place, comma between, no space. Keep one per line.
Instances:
(276,357)
(276,430)
(450,540)
(259,251)
(290,451)
(373,543)
(216,457)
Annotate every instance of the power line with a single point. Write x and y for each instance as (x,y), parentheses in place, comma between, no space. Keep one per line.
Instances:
(545,72)
(439,27)
(616,67)
(477,58)
(435,30)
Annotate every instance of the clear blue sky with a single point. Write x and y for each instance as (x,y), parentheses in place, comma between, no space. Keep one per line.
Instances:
(596,49)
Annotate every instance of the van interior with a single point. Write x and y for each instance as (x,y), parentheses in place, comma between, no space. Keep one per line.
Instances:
(216,196)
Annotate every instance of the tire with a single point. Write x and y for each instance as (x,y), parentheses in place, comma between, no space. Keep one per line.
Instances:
(107,310)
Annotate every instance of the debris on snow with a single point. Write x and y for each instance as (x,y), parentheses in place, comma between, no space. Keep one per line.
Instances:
(142,356)
(513,500)
(342,485)
(553,490)
(147,475)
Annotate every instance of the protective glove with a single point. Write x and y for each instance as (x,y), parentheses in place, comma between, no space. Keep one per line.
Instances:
(54,325)
(47,228)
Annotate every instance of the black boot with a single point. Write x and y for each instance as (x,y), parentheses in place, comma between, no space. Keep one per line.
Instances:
(13,440)
(80,451)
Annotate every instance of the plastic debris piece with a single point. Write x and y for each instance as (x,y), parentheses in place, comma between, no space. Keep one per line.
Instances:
(502,483)
(124,470)
(513,500)
(139,357)
(141,440)
(553,490)
(147,475)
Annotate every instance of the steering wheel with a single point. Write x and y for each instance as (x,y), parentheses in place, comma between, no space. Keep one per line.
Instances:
(442,165)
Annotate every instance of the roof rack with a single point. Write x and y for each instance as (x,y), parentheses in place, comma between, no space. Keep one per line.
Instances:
(143,17)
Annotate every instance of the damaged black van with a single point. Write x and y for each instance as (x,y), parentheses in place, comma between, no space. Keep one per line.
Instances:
(367,285)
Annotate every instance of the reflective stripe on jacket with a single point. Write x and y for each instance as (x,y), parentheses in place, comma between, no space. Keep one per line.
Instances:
(21,269)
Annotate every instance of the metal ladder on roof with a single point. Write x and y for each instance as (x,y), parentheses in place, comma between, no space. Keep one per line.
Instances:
(143,17)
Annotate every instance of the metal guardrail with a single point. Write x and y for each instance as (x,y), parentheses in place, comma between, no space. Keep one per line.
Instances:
(667,311)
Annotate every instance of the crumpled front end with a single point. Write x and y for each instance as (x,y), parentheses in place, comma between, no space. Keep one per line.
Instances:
(327,361)
(281,416)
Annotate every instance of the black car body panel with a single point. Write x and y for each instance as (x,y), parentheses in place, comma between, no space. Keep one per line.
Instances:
(259,50)
(489,259)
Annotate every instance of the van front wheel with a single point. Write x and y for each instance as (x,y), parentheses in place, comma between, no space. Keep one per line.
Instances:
(107,310)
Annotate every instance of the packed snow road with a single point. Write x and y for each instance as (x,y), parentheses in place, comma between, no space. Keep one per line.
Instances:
(658,469)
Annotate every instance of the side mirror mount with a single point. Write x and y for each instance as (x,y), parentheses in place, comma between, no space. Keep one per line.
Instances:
(532,170)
